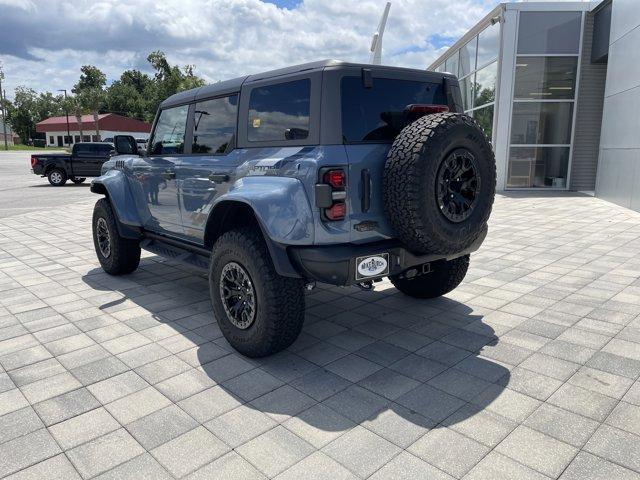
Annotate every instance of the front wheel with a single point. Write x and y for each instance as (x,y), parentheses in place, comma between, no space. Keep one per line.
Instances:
(259,312)
(443,278)
(117,255)
(57,177)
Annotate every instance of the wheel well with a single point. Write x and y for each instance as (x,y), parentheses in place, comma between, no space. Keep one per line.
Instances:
(226,216)
(99,188)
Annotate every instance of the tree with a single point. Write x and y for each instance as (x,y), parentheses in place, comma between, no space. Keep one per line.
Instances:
(22,113)
(92,99)
(91,77)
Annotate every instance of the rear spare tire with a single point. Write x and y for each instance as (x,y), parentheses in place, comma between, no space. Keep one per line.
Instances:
(439,182)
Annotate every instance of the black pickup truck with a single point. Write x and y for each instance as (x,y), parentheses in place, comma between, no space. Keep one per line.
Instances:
(85,160)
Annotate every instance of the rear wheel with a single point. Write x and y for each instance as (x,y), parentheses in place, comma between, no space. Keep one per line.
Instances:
(443,278)
(117,255)
(77,180)
(57,177)
(259,312)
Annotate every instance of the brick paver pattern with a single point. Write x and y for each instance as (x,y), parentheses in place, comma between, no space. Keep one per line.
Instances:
(528,370)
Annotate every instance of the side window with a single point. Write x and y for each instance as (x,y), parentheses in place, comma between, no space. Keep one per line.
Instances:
(280,112)
(168,137)
(214,125)
(104,149)
(84,150)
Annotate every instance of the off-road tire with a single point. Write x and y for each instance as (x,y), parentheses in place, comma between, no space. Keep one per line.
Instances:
(57,177)
(280,304)
(410,181)
(124,255)
(78,181)
(444,277)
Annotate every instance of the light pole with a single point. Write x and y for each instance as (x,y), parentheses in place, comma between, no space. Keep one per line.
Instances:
(4,117)
(66,111)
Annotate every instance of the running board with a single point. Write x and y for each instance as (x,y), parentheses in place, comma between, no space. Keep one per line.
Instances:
(177,253)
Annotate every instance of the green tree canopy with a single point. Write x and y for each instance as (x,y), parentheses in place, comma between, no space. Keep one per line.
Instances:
(135,94)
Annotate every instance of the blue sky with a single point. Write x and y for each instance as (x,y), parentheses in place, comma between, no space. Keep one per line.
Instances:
(44,43)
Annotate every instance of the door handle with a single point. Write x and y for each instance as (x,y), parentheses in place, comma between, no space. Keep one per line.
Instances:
(219,178)
(169,175)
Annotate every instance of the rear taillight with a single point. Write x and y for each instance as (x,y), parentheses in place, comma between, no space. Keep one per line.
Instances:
(331,194)
(34,161)
(426,109)
(415,111)
(335,178)
(337,211)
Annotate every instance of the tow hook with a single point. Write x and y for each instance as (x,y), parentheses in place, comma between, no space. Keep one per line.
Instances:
(366,286)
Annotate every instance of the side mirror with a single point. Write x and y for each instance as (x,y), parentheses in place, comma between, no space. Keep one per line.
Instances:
(112,153)
(125,145)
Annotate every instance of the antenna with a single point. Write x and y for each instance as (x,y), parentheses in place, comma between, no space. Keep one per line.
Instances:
(376,40)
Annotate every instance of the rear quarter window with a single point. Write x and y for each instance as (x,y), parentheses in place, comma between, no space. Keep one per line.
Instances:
(279,112)
(368,113)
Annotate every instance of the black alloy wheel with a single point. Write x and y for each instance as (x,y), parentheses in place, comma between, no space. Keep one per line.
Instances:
(458,185)
(238,295)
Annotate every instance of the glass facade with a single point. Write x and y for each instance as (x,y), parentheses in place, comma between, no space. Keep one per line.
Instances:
(476,65)
(539,113)
(544,93)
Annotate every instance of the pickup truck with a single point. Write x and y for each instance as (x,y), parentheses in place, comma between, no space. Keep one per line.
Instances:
(85,160)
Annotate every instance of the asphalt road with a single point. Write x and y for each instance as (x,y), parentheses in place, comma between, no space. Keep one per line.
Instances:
(21,191)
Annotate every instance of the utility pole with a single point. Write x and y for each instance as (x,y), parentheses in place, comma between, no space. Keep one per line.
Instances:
(4,117)
(376,41)
(66,111)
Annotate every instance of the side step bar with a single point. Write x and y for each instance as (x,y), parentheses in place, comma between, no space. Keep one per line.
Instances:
(192,256)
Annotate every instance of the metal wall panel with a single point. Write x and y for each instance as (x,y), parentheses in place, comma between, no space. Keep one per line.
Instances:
(589,115)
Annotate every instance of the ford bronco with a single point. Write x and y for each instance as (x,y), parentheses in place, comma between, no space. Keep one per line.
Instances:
(331,172)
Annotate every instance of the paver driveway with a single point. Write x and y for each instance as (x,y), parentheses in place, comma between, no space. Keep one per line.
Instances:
(528,370)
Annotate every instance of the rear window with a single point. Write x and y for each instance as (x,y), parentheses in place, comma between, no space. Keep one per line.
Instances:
(280,112)
(368,113)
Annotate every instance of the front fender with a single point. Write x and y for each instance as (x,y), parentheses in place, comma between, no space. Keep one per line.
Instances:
(280,205)
(115,186)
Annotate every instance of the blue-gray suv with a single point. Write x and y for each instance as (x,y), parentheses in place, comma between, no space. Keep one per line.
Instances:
(330,171)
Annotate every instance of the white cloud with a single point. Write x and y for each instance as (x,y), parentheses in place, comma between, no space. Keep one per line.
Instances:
(44,43)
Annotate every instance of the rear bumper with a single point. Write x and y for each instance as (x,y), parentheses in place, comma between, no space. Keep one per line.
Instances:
(337,264)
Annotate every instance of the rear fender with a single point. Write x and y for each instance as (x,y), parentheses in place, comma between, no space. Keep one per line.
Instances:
(280,205)
(282,210)
(115,186)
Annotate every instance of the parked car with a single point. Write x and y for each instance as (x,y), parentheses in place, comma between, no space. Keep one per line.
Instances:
(330,172)
(85,160)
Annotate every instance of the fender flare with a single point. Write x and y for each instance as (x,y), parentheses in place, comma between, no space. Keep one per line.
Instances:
(115,186)
(282,210)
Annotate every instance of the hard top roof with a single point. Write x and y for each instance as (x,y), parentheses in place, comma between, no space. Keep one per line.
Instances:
(231,86)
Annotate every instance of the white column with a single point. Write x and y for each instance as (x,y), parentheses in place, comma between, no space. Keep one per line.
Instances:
(504,96)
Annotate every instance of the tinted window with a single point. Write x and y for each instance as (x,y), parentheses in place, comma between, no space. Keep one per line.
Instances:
(279,112)
(84,150)
(549,32)
(375,114)
(214,125)
(168,138)
(104,149)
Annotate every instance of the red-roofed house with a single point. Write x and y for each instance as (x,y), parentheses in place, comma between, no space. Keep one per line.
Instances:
(109,124)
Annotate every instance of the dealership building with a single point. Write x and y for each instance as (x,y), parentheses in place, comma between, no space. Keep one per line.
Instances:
(556,85)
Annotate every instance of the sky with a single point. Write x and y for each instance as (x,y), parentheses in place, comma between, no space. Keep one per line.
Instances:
(43,43)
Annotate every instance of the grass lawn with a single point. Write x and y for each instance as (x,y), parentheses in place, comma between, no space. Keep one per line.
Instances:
(27,147)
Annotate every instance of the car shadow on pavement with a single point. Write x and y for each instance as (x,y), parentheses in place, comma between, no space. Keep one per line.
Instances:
(413,368)
(66,185)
